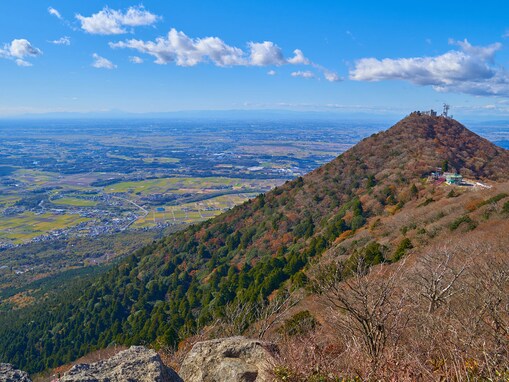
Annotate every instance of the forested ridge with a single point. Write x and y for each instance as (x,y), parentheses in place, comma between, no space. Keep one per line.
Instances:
(167,291)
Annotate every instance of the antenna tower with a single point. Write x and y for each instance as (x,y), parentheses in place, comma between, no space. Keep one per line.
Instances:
(446,110)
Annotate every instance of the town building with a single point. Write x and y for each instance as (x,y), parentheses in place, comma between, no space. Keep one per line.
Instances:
(453,178)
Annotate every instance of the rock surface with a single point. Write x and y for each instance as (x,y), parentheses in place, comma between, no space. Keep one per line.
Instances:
(136,364)
(235,359)
(9,374)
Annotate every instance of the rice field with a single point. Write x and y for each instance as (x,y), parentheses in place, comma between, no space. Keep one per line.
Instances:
(192,212)
(174,185)
(28,225)
(76,202)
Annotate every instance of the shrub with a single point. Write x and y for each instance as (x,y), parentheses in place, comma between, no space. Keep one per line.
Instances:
(426,202)
(494,199)
(414,191)
(403,246)
(471,224)
(505,208)
(299,323)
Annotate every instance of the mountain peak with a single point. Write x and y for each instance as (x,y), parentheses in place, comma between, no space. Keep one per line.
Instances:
(420,142)
(432,126)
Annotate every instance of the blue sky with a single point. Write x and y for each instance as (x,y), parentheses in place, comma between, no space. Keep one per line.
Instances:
(345,56)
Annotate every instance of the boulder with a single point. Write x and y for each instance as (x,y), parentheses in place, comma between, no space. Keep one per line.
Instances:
(235,359)
(9,374)
(136,364)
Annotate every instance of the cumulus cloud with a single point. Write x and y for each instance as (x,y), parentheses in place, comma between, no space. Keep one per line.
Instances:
(327,74)
(303,74)
(22,48)
(299,58)
(265,53)
(62,41)
(136,60)
(18,50)
(102,63)
(271,73)
(111,21)
(176,47)
(469,70)
(52,11)
(21,62)
(331,76)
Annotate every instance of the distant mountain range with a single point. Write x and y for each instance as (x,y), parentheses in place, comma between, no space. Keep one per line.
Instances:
(386,116)
(213,114)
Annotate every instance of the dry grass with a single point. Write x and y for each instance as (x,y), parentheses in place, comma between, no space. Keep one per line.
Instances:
(463,338)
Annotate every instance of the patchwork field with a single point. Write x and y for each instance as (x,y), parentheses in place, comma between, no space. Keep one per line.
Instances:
(28,225)
(75,193)
(74,202)
(178,185)
(191,212)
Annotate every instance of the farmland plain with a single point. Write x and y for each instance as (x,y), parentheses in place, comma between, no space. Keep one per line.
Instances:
(80,193)
(75,193)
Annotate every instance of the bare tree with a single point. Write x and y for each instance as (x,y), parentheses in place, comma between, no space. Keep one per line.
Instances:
(437,277)
(235,318)
(491,284)
(270,313)
(366,299)
(470,337)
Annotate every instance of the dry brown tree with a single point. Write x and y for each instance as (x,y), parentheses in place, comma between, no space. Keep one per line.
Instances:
(437,276)
(367,305)
(269,314)
(234,319)
(460,314)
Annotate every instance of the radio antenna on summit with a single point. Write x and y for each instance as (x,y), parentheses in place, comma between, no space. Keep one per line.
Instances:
(446,110)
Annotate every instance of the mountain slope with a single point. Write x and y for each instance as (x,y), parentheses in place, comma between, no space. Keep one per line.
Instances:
(168,290)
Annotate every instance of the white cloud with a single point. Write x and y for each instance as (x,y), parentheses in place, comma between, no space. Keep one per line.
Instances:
(299,58)
(21,62)
(102,63)
(62,41)
(136,60)
(271,73)
(110,21)
(303,74)
(52,11)
(484,52)
(184,51)
(327,74)
(217,51)
(469,70)
(22,48)
(331,76)
(265,53)
(176,47)
(18,50)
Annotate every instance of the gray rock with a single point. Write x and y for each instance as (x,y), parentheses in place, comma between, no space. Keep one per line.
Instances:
(137,364)
(235,359)
(9,374)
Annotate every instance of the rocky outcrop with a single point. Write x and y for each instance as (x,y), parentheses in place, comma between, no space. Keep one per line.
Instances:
(137,364)
(9,374)
(235,359)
